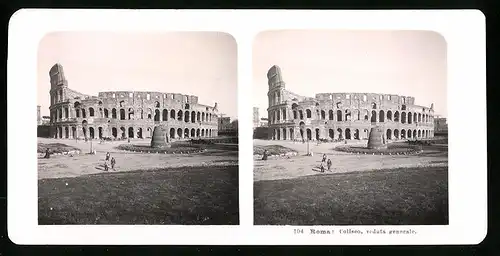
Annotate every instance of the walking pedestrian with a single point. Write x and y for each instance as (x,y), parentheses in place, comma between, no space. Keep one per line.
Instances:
(113,162)
(107,156)
(329,164)
(106,166)
(323,160)
(264,156)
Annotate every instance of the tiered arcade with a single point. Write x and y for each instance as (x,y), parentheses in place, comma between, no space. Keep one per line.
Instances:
(343,116)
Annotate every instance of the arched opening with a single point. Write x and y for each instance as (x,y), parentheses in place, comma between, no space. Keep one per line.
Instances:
(409,117)
(330,115)
(396,116)
(419,117)
(308,113)
(114,132)
(339,115)
(130,113)
(374,105)
(365,134)
(84,128)
(202,132)
(301,115)
(366,115)
(408,134)
(123,132)
(203,117)
(193,117)
(131,132)
(73,132)
(150,132)
(91,111)
(99,131)
(403,134)
(389,134)
(172,114)
(122,114)
(317,134)
(403,117)
(419,134)
(414,134)
(83,114)
(356,134)
(339,132)
(301,130)
(66,132)
(139,133)
(142,113)
(180,115)
(347,134)
(278,134)
(186,133)
(76,105)
(323,115)
(415,117)
(172,133)
(113,113)
(396,133)
(150,113)
(157,104)
(186,116)
(331,134)
(164,115)
(309,134)
(193,133)
(210,131)
(295,114)
(389,115)
(356,114)
(106,113)
(198,116)
(122,103)
(197,132)
(179,133)
(374,116)
(186,106)
(284,114)
(381,116)
(427,134)
(284,134)
(347,115)
(157,115)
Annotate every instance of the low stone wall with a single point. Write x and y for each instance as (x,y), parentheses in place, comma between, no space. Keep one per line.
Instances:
(72,152)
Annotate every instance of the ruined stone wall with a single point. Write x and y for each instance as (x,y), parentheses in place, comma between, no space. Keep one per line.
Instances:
(128,114)
(339,116)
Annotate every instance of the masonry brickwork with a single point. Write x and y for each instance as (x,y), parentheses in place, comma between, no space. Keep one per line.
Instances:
(126,114)
(343,116)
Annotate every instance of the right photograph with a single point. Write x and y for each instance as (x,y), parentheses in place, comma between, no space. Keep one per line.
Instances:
(350,127)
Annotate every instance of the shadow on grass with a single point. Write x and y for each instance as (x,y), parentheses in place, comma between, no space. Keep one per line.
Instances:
(179,196)
(409,196)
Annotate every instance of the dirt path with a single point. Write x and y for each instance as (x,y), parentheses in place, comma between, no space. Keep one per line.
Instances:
(82,164)
(301,165)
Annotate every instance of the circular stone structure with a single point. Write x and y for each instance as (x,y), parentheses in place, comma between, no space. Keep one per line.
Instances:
(377,140)
(160,138)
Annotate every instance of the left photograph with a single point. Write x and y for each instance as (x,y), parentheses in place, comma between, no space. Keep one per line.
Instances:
(137,128)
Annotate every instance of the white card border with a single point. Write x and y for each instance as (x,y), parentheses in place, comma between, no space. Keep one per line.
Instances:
(464,31)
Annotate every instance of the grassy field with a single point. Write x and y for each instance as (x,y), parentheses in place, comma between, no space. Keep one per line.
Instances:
(383,197)
(272,149)
(54,147)
(184,196)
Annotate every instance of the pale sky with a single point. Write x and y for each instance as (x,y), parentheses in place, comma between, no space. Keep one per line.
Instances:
(203,64)
(406,63)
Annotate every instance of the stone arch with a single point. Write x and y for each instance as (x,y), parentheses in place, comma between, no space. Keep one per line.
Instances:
(331,134)
(415,116)
(396,116)
(389,115)
(100,132)
(122,114)
(122,103)
(367,114)
(330,114)
(301,114)
(150,113)
(131,132)
(403,117)
(396,133)
(323,115)
(203,116)
(123,132)
(388,134)
(157,115)
(408,134)
(139,133)
(374,116)
(427,133)
(403,134)
(73,132)
(172,133)
(179,132)
(356,134)
(66,132)
(308,113)
(130,113)
(186,116)
(419,133)
(414,135)
(309,134)
(339,115)
(83,113)
(198,132)
(419,117)
(291,134)
(381,116)
(284,134)
(365,134)
(409,117)
(193,133)
(91,132)
(278,134)
(317,134)
(339,132)
(193,117)
(356,114)
(186,133)
(76,104)
(114,132)
(157,104)
(198,116)
(165,115)
(172,114)
(374,105)
(202,132)
(106,113)
(347,115)
(180,115)
(347,134)
(91,111)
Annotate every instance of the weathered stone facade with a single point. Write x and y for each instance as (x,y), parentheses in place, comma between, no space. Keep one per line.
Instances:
(338,116)
(126,114)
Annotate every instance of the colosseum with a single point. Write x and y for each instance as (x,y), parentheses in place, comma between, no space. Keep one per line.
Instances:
(343,116)
(125,114)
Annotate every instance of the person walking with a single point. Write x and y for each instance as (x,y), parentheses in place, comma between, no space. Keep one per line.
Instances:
(323,160)
(107,156)
(264,156)
(329,164)
(113,162)
(106,165)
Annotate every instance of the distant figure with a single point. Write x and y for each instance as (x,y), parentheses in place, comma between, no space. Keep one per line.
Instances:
(106,166)
(47,153)
(322,166)
(264,156)
(323,160)
(113,162)
(329,164)
(128,140)
(107,156)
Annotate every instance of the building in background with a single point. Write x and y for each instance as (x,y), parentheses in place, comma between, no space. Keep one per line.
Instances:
(440,125)
(256,119)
